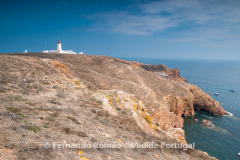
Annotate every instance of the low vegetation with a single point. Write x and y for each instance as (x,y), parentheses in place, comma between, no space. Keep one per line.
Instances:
(67,99)
(33,127)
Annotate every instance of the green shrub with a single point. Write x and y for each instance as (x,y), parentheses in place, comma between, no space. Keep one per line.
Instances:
(33,127)
(22,115)
(30,103)
(17,98)
(45,125)
(124,113)
(97,101)
(147,119)
(13,109)
(73,119)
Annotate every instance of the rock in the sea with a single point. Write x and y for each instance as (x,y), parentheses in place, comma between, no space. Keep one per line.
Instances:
(207,123)
(195,120)
(204,121)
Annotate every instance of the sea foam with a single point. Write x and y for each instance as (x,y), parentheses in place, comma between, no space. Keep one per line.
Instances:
(207,116)
(230,114)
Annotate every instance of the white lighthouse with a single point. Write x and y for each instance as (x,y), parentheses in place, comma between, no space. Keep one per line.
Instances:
(59,50)
(59,47)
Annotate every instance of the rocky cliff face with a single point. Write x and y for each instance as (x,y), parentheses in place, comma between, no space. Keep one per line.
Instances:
(40,88)
(172,74)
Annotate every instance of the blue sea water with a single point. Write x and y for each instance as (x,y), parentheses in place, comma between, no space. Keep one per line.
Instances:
(222,142)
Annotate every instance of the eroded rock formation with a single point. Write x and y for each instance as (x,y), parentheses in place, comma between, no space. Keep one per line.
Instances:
(207,123)
(172,74)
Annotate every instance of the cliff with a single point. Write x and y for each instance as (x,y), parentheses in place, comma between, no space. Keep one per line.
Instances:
(161,69)
(87,99)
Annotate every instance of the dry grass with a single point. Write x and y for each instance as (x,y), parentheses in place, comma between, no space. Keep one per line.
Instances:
(41,106)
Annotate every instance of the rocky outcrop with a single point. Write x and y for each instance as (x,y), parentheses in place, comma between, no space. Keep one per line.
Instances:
(160,69)
(155,68)
(172,74)
(207,123)
(177,133)
(205,102)
(175,75)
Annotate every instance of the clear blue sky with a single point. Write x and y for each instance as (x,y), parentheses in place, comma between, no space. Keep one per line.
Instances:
(195,29)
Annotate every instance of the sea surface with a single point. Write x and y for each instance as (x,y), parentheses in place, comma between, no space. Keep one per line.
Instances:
(215,76)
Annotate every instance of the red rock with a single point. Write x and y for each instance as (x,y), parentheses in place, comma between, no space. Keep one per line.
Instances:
(195,120)
(207,123)
(204,121)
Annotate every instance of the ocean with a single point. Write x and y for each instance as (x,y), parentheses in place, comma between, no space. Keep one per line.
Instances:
(215,76)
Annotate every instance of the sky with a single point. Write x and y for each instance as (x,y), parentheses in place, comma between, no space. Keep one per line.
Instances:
(179,29)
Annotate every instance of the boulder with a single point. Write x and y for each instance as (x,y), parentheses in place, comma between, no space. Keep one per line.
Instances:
(204,121)
(195,120)
(207,123)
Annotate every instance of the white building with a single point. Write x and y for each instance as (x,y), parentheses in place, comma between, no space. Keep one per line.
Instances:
(45,51)
(59,50)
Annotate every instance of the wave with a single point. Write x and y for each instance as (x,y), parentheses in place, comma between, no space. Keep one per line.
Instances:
(230,114)
(213,126)
(218,129)
(207,116)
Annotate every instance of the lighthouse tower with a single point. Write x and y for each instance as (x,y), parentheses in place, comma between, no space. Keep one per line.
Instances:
(59,47)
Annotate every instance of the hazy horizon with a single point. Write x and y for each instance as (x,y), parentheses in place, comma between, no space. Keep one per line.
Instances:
(186,29)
